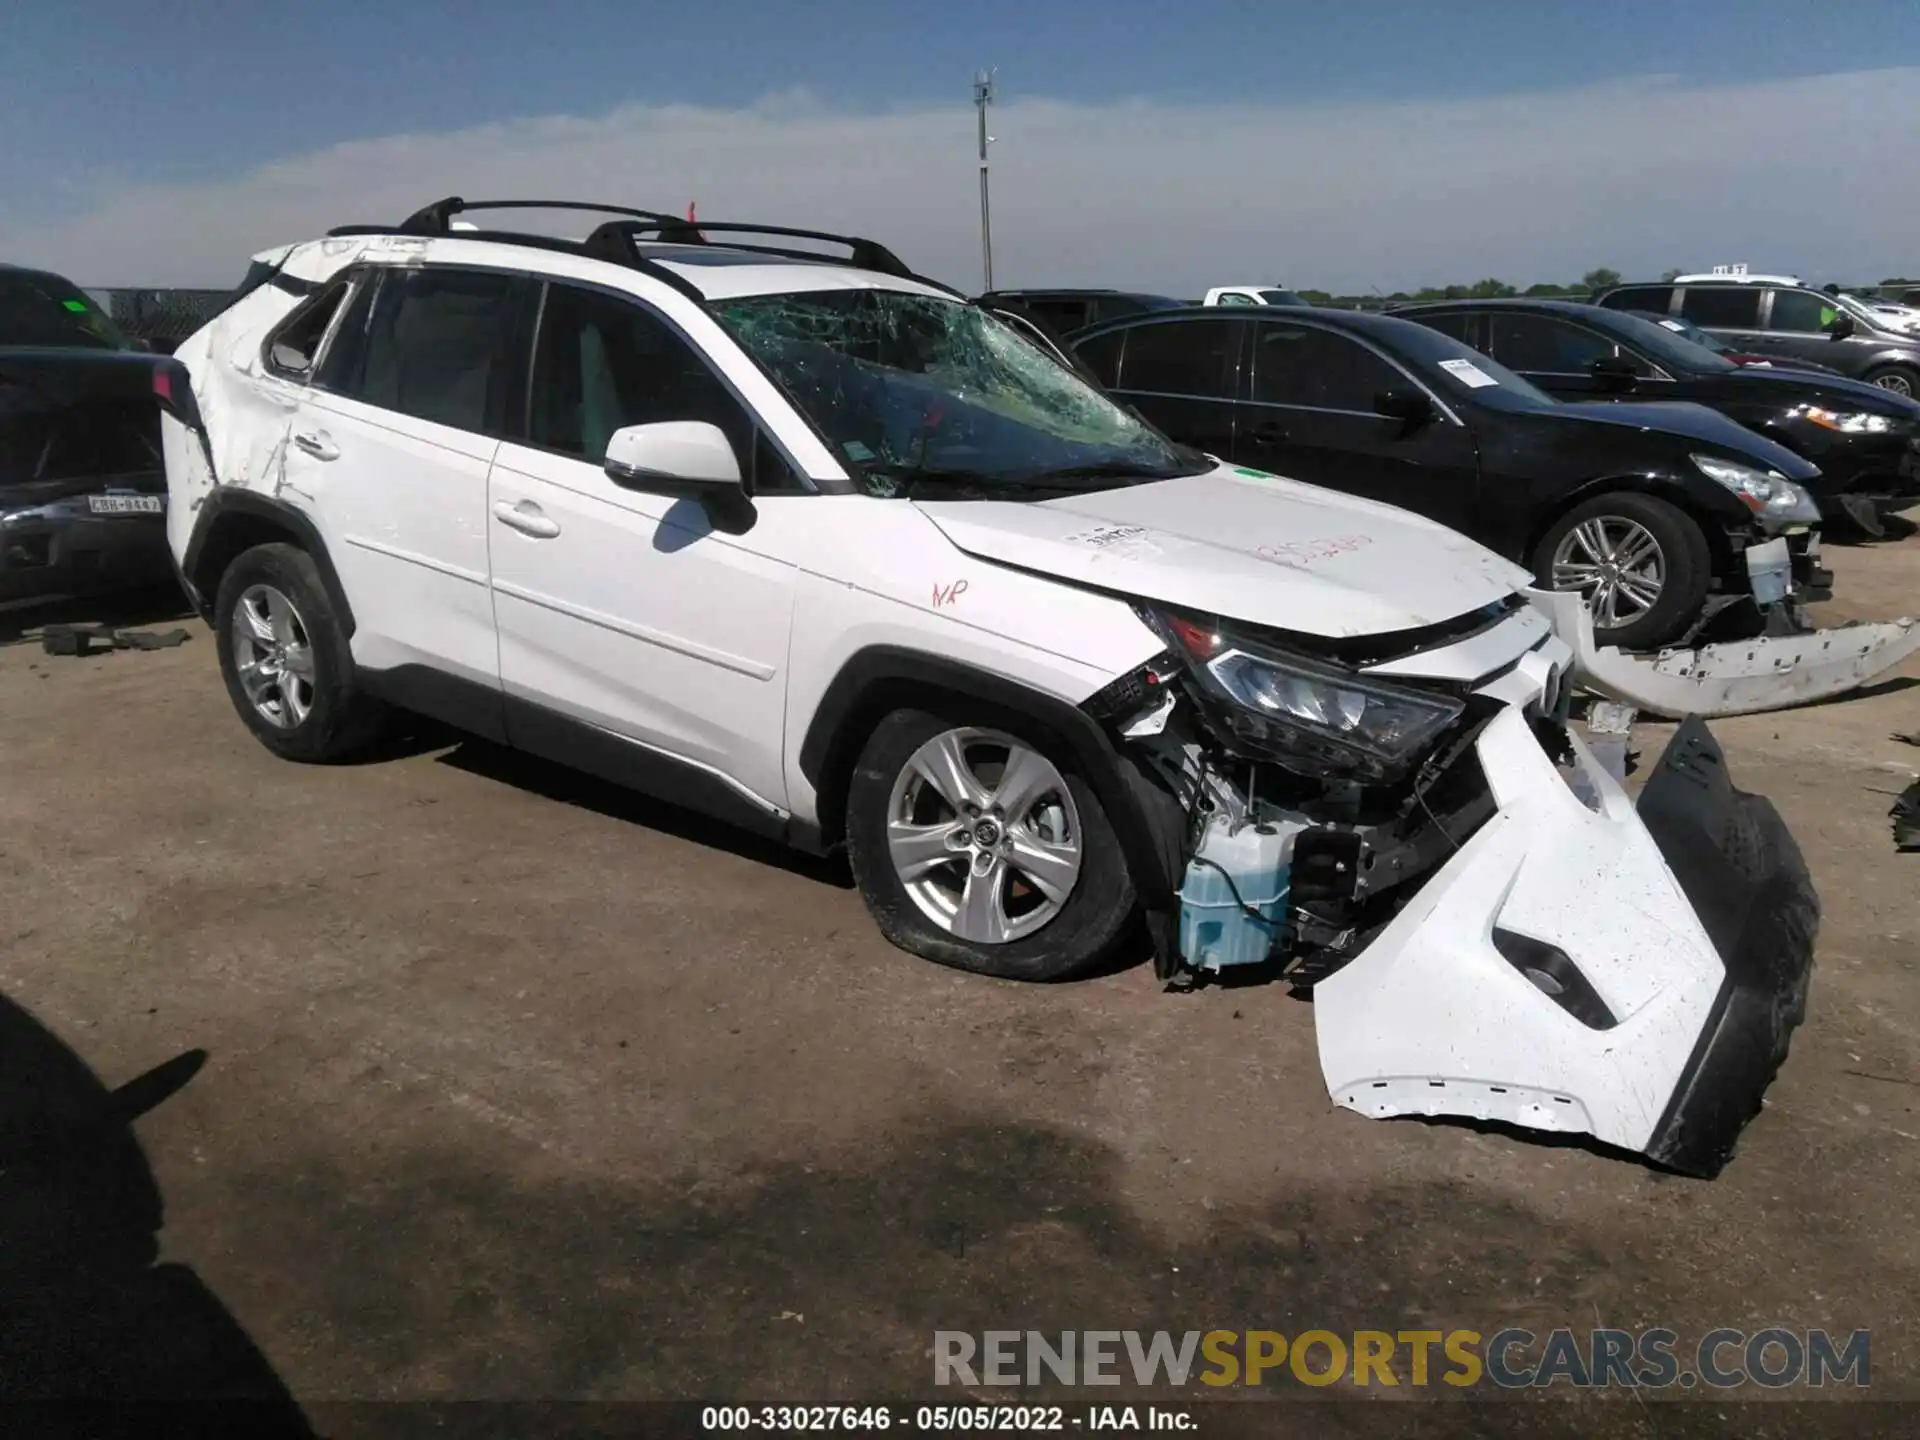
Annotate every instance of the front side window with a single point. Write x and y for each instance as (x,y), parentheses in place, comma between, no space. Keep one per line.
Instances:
(1182,357)
(1722,307)
(603,362)
(1234,297)
(438,347)
(925,392)
(1801,312)
(1318,370)
(1544,345)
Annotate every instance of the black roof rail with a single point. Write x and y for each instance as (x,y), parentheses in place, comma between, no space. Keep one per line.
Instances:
(617,240)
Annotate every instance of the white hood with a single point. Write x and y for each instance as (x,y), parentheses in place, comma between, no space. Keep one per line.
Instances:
(1245,545)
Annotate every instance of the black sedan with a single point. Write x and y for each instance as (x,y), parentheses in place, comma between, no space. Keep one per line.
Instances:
(1866,440)
(1661,515)
(83,491)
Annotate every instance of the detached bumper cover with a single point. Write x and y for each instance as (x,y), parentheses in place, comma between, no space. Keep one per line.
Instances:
(1735,678)
(1668,993)
(1749,886)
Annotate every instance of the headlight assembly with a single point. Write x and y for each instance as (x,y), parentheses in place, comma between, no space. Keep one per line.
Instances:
(1847,422)
(1305,714)
(1769,495)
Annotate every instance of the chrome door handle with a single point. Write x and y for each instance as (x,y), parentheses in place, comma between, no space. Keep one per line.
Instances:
(317,443)
(526,517)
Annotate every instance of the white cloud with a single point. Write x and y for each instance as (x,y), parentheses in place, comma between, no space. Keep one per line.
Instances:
(1808,174)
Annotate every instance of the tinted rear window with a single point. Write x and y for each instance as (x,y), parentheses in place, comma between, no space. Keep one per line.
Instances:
(1727,307)
(1182,357)
(1657,298)
(41,309)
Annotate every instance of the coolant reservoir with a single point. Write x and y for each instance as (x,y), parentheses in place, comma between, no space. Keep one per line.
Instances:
(1234,897)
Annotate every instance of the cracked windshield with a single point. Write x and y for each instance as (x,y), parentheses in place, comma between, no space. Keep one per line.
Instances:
(921,393)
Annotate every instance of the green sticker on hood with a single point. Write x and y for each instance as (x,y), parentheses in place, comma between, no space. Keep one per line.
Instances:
(1255,474)
(79,307)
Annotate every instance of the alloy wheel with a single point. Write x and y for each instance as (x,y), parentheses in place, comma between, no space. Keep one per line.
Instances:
(1896,382)
(273,656)
(984,836)
(1616,564)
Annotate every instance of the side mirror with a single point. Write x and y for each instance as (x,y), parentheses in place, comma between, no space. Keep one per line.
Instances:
(674,457)
(1410,407)
(1614,372)
(687,459)
(1841,327)
(286,358)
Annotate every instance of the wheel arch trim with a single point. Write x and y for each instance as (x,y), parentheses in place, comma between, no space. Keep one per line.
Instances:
(228,508)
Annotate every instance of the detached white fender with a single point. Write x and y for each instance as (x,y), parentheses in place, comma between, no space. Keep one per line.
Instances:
(1582,966)
(1733,678)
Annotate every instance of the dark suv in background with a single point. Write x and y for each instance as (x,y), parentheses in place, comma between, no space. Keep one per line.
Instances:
(1785,321)
(1865,439)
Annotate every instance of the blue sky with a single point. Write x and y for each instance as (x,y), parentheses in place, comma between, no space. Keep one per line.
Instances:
(109,96)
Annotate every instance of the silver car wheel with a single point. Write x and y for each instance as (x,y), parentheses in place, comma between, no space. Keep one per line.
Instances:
(1616,564)
(273,656)
(984,836)
(1897,382)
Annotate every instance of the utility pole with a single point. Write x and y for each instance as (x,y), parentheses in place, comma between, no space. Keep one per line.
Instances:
(983,97)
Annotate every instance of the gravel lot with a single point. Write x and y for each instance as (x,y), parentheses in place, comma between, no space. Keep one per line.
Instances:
(516,1087)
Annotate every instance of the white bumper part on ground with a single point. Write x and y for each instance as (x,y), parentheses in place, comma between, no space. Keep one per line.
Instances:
(1735,678)
(1432,1019)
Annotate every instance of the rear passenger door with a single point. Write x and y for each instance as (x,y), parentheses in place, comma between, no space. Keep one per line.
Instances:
(1182,375)
(1310,416)
(390,448)
(1730,311)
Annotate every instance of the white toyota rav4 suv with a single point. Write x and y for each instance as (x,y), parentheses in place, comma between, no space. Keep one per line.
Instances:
(818,546)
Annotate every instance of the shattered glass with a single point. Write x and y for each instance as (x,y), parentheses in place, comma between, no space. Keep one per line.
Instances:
(918,390)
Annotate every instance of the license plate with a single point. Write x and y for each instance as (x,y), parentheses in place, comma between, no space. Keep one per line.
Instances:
(126,504)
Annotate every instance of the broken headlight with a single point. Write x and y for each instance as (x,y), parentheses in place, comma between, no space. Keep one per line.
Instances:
(1305,714)
(1769,495)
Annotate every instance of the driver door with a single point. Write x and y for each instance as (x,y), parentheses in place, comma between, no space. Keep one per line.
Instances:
(630,627)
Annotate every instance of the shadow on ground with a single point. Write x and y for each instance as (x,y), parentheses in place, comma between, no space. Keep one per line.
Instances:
(826,1283)
(21,621)
(86,1313)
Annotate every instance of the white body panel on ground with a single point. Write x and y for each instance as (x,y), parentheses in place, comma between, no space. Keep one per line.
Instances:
(1432,1020)
(1735,678)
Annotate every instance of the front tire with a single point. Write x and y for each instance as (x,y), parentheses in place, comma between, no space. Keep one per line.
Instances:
(286,661)
(1642,565)
(984,849)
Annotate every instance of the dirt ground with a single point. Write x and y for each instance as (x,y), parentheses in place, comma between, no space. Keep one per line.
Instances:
(479,1081)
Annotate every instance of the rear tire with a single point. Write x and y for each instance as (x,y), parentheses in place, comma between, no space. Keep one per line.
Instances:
(286,661)
(1656,596)
(1037,850)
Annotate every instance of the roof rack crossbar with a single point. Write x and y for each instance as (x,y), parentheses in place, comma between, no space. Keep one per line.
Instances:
(557,243)
(437,218)
(867,254)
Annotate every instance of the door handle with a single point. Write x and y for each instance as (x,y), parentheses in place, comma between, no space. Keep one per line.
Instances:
(317,443)
(526,517)
(1269,432)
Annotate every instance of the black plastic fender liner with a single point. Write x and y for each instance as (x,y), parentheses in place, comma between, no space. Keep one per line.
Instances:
(228,506)
(882,678)
(1749,884)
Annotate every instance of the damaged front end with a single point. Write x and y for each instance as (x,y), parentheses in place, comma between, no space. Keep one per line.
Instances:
(1489,927)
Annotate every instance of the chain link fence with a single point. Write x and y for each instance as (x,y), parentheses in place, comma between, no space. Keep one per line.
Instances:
(162,318)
